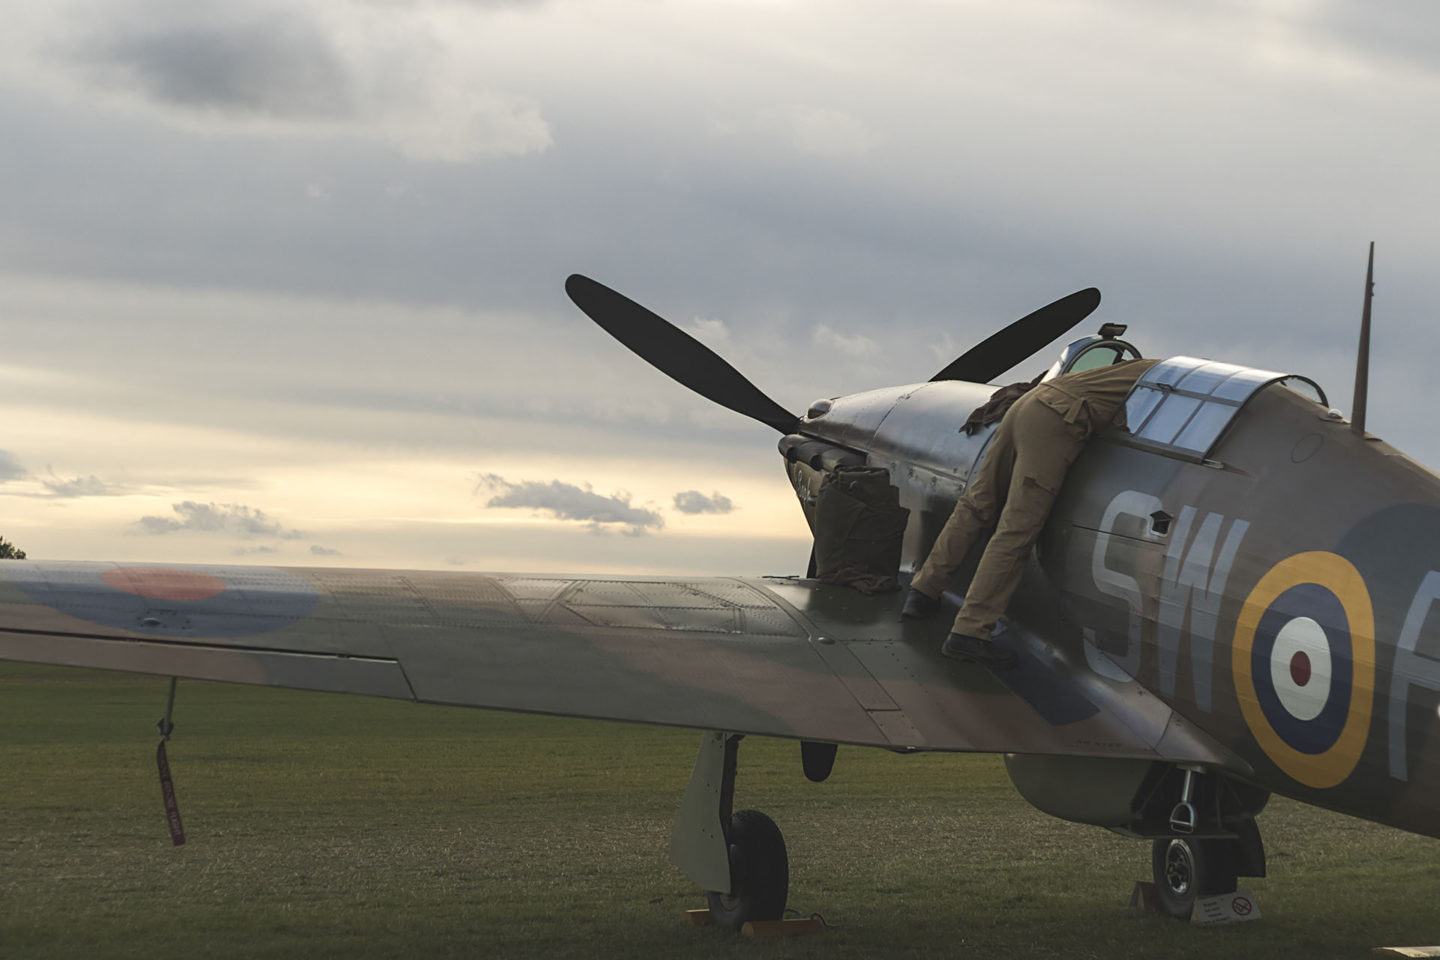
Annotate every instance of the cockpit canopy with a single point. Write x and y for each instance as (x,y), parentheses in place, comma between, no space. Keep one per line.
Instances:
(1183,405)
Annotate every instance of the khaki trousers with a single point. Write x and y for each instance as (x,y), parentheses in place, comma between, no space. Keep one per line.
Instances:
(1013,493)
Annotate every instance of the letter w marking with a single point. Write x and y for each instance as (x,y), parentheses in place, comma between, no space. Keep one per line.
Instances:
(1192,587)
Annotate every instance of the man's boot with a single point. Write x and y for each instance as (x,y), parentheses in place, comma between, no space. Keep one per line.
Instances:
(919,606)
(958,646)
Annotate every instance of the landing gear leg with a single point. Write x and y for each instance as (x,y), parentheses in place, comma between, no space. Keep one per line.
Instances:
(739,857)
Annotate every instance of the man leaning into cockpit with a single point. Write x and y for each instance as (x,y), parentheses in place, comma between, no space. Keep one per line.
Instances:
(1039,436)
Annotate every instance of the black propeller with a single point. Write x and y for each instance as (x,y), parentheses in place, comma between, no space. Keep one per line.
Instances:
(675,353)
(1002,350)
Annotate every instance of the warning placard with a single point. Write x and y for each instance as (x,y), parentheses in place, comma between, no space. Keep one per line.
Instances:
(1227,908)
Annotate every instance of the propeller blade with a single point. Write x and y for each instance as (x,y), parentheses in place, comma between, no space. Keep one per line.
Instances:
(1022,339)
(675,353)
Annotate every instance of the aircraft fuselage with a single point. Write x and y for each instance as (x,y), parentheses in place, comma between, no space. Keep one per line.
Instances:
(1276,594)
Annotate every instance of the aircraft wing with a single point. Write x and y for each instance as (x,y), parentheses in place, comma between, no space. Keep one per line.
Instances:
(776,657)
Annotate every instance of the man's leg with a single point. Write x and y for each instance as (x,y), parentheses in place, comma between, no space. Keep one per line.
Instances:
(974,513)
(1046,446)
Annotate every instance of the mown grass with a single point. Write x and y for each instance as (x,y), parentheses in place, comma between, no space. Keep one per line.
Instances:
(328,826)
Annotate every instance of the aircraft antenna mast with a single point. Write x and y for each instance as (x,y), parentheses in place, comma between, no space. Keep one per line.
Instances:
(1362,358)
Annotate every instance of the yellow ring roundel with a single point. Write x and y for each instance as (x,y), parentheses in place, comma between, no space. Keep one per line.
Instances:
(1338,576)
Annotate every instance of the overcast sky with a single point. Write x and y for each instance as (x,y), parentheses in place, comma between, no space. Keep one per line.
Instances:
(282,282)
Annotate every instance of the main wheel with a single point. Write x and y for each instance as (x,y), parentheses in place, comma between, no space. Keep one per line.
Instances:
(1186,870)
(759,872)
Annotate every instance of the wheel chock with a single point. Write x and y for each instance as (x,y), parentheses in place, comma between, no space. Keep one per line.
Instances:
(697,918)
(793,927)
(1144,897)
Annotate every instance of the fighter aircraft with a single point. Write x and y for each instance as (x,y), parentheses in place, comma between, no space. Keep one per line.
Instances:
(1231,598)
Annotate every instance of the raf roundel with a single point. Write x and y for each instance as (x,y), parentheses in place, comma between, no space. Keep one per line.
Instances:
(1304,666)
(164,601)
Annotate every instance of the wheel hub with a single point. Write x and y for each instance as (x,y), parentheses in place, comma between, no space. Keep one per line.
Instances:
(1179,867)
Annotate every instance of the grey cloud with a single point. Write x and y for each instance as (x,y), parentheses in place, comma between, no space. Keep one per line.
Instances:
(1404,29)
(693,501)
(892,249)
(91,486)
(10,467)
(266,62)
(233,519)
(565,501)
(246,551)
(852,345)
(820,239)
(321,70)
(320,551)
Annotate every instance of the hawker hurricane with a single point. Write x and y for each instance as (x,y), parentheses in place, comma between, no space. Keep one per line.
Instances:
(1231,598)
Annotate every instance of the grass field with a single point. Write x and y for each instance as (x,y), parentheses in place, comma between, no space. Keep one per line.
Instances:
(329,826)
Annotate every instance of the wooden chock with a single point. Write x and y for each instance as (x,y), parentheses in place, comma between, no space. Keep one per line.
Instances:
(1144,897)
(697,918)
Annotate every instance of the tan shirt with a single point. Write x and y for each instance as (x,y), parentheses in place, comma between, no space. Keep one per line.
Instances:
(1093,398)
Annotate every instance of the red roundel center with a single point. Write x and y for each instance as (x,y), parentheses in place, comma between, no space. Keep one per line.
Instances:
(1300,668)
(161,583)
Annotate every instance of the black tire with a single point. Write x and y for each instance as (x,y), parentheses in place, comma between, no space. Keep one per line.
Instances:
(1186,870)
(759,872)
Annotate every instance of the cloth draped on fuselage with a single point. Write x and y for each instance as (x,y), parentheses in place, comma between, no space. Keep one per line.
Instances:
(859,529)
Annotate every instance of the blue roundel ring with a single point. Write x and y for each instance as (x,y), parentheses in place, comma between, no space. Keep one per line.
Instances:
(1324,588)
(166,601)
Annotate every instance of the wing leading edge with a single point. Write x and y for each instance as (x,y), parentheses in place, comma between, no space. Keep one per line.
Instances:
(775,657)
